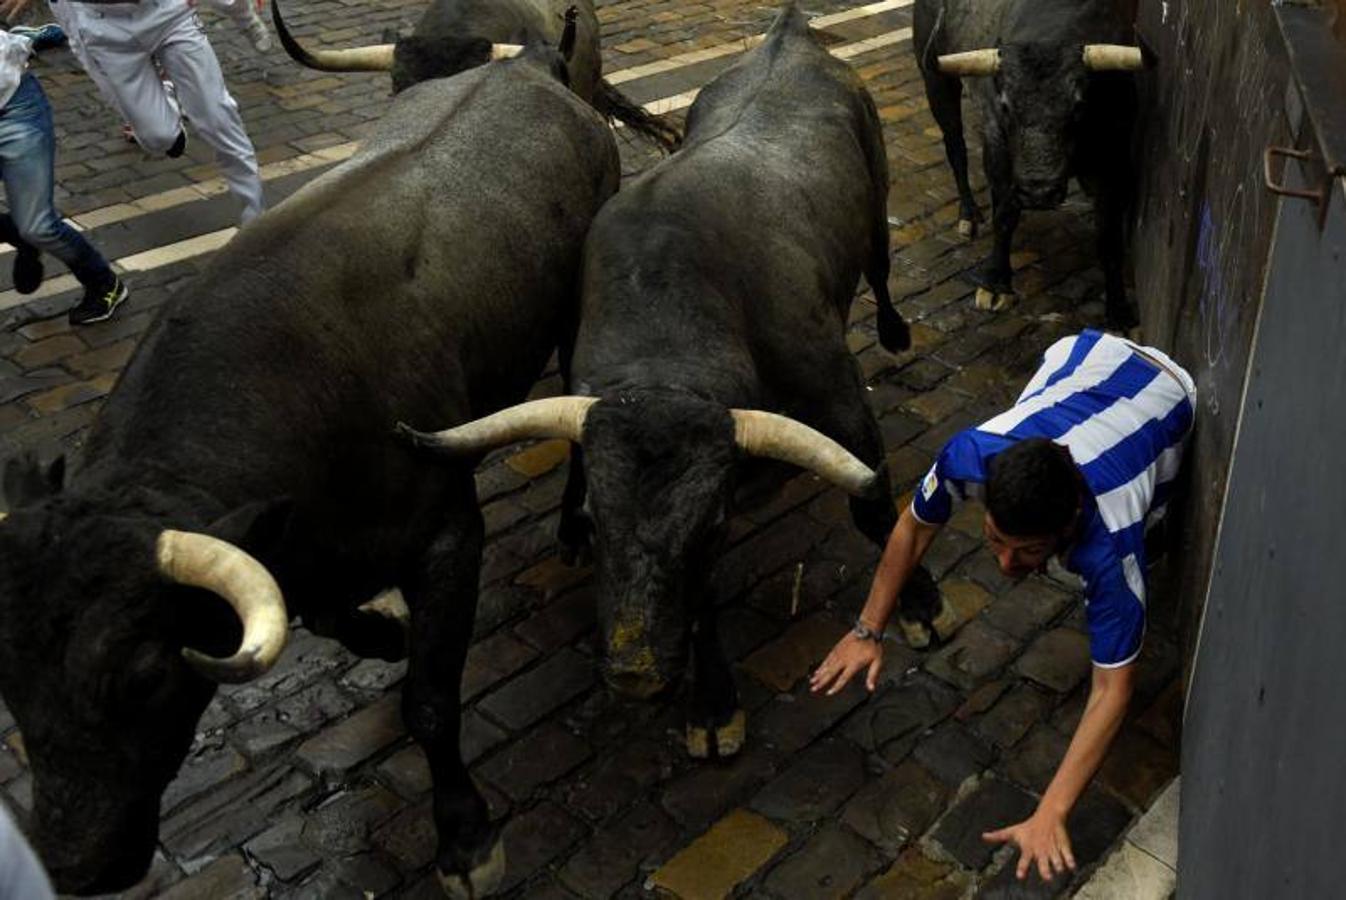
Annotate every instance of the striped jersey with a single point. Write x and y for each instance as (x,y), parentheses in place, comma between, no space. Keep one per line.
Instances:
(1124,420)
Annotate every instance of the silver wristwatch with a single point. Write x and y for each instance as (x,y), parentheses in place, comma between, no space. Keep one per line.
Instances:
(865,633)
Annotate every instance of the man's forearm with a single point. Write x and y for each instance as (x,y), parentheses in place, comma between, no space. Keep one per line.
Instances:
(906,546)
(1109,697)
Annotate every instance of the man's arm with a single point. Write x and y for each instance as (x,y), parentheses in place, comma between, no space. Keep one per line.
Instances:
(906,546)
(1042,838)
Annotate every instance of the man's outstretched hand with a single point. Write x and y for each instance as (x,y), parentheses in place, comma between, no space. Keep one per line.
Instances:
(1041,839)
(848,658)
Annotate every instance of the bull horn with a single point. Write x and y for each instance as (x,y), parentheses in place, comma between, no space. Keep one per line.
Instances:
(505,51)
(374,58)
(1113,58)
(973,62)
(779,437)
(202,561)
(553,417)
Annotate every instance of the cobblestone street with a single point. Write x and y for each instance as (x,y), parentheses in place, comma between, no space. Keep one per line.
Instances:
(305,784)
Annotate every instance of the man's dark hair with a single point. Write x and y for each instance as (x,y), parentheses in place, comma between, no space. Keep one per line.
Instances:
(1032,489)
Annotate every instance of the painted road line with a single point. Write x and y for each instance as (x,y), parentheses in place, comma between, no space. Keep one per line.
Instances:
(682,60)
(666,105)
(189,248)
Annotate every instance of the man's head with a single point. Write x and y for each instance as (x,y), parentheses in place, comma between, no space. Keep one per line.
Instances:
(1032,503)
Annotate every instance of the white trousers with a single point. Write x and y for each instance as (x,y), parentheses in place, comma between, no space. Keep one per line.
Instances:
(118,41)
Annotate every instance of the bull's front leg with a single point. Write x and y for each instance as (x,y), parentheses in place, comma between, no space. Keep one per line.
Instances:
(945,96)
(1110,206)
(716,724)
(575,530)
(442,596)
(995,287)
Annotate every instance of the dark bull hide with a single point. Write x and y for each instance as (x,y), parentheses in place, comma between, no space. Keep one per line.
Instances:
(251,439)
(717,287)
(1056,101)
(454,35)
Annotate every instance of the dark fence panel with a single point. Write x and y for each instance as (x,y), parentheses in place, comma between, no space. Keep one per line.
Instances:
(1203,228)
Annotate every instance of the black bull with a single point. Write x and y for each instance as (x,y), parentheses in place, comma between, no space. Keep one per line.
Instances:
(426,280)
(1056,101)
(715,301)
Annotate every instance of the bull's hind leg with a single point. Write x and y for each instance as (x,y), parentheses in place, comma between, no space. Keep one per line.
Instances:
(442,596)
(1110,210)
(945,96)
(716,725)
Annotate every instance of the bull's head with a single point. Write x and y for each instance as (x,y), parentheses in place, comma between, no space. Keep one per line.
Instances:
(103,624)
(1038,96)
(420,57)
(660,473)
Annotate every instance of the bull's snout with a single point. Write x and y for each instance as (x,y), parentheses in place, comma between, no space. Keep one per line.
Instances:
(1047,193)
(632,665)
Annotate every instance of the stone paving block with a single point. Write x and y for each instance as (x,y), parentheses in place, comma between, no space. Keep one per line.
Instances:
(354,878)
(306,658)
(534,694)
(373,676)
(705,792)
(204,768)
(1058,660)
(47,351)
(535,838)
(783,662)
(992,805)
(227,878)
(1132,874)
(742,630)
(725,856)
(493,660)
(766,551)
(965,601)
(262,735)
(1157,831)
(815,785)
(917,877)
(791,721)
(937,405)
(897,808)
(68,395)
(1137,767)
(953,753)
(1028,606)
(552,576)
(311,707)
(830,865)
(350,742)
(949,548)
(619,775)
(226,817)
(343,823)
(1163,720)
(1005,885)
(282,849)
(977,654)
(1034,761)
(539,757)
(1011,718)
(891,724)
(569,616)
(614,856)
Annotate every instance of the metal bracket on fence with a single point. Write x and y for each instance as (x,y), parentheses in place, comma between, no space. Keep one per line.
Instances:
(1319,196)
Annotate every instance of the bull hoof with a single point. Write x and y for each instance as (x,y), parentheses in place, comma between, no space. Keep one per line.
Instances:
(721,742)
(481,881)
(967,228)
(389,604)
(917,634)
(994,302)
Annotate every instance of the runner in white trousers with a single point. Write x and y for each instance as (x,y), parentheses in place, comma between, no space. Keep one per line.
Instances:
(120,43)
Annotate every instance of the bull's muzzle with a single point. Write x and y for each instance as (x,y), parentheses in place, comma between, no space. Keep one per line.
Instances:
(631,666)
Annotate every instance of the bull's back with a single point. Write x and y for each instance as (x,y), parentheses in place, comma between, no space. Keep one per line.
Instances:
(426,280)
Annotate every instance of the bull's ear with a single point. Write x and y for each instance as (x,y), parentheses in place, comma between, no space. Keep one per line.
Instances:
(567,46)
(26,482)
(259,528)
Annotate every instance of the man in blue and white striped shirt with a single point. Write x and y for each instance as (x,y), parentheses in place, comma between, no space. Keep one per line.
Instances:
(1079,468)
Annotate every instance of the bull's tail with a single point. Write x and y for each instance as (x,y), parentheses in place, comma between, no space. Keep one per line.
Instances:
(613,104)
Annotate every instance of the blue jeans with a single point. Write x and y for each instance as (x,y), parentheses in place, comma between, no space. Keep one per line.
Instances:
(27,161)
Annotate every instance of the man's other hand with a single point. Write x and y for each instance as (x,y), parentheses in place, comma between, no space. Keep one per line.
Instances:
(851,655)
(1041,839)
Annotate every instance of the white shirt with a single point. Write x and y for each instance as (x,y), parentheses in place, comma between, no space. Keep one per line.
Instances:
(21,876)
(14,54)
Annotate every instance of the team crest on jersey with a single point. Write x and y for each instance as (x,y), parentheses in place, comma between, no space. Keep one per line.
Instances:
(929,486)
